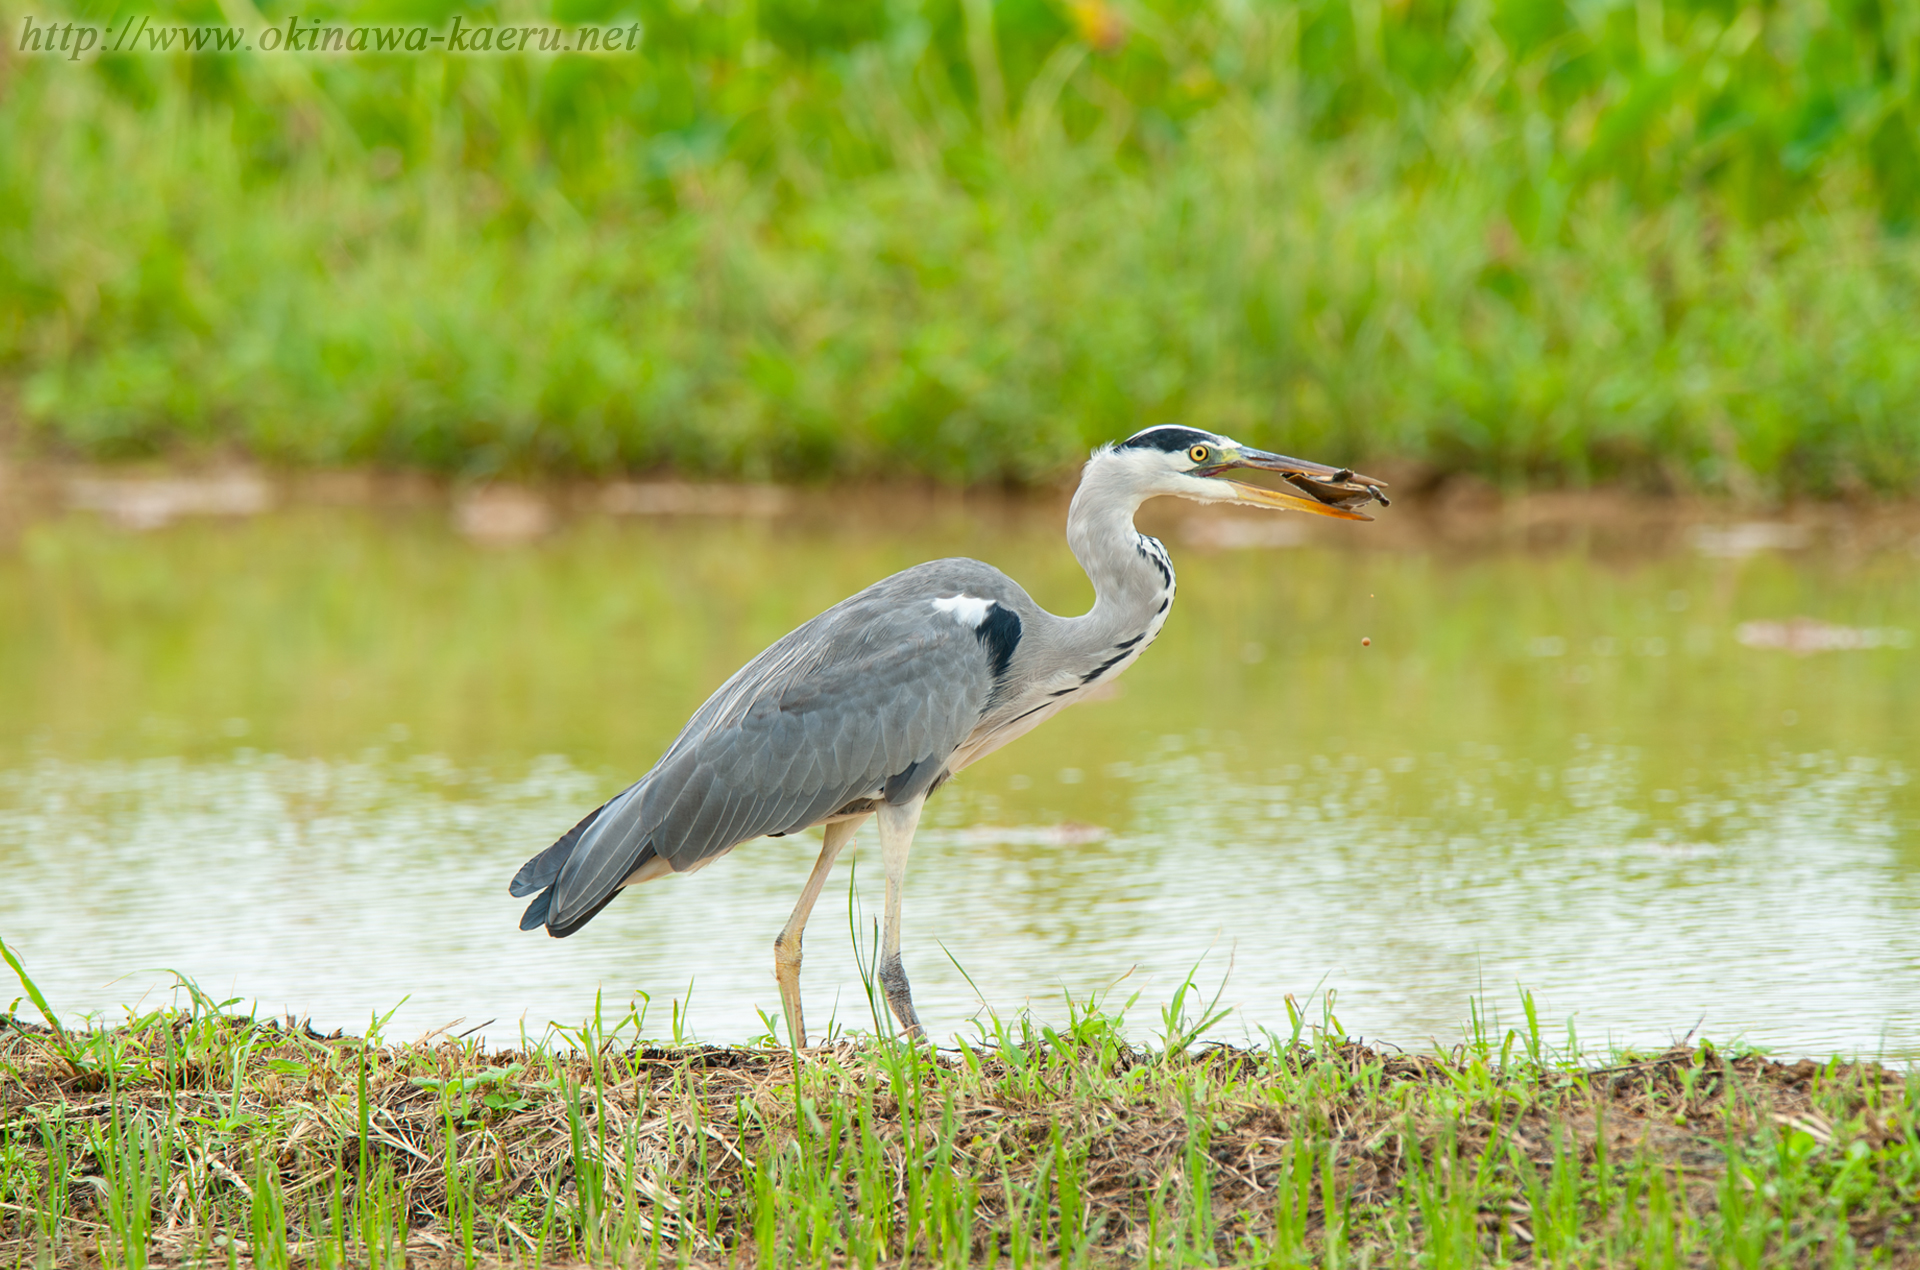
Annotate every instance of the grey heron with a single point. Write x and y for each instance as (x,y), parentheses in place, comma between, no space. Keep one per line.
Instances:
(868,708)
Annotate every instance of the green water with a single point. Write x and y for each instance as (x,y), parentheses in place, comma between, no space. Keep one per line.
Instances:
(297,757)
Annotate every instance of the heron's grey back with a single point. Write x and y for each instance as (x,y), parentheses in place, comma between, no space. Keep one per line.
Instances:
(866,700)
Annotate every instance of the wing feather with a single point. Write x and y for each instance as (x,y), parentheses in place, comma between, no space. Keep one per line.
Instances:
(605,854)
(875,693)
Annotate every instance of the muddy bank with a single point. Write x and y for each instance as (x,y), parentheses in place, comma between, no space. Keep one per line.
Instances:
(1428,513)
(193,1135)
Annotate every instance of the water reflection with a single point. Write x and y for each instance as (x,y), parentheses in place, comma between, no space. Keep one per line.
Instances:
(297,759)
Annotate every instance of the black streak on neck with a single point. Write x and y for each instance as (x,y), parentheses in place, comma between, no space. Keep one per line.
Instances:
(1103,668)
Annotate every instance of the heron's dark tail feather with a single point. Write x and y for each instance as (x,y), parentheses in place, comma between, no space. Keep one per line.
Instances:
(561,932)
(544,873)
(536,914)
(538,874)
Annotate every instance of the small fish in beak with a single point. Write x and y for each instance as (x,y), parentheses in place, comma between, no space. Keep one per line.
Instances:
(1343,489)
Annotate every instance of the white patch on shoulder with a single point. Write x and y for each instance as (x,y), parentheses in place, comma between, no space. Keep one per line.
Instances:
(968,610)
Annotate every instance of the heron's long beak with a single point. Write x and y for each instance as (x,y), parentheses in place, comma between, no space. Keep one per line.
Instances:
(1325,491)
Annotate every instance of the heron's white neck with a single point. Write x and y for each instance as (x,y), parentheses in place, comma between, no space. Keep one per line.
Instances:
(1131,575)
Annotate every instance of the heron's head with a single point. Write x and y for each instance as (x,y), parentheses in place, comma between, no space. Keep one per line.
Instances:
(1192,463)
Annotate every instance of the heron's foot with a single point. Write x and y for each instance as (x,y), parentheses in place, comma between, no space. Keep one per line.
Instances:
(893,981)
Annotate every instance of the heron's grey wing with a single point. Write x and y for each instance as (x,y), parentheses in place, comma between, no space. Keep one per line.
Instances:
(868,700)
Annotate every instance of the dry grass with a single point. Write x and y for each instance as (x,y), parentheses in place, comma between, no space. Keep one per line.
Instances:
(191,1135)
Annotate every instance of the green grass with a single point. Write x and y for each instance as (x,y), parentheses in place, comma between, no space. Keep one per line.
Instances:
(1663,243)
(189,1134)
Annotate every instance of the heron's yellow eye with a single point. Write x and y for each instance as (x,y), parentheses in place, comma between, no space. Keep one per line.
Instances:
(1199,453)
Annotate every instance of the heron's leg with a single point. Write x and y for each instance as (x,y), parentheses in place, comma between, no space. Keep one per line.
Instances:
(786,945)
(897,825)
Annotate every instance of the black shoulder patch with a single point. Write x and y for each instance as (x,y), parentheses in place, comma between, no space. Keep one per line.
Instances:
(1000,632)
(1169,437)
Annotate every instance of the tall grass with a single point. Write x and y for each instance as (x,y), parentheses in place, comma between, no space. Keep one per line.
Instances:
(1668,242)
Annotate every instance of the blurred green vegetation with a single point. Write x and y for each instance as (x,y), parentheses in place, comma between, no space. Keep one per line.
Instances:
(1546,241)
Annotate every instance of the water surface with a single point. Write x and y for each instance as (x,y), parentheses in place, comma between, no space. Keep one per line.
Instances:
(296,757)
